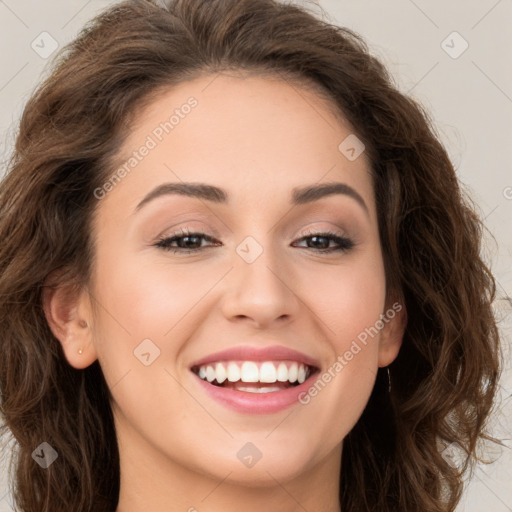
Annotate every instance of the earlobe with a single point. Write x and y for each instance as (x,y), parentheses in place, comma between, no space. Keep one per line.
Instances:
(395,322)
(68,316)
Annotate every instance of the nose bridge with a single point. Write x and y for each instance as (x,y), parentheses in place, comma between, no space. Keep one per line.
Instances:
(259,285)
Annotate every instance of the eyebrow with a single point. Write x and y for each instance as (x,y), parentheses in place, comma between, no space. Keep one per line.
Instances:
(300,195)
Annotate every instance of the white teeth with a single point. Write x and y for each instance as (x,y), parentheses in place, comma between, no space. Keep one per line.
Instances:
(268,372)
(293,372)
(282,372)
(233,372)
(301,377)
(210,373)
(220,373)
(258,390)
(249,371)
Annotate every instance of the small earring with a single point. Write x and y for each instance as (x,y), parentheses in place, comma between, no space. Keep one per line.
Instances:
(80,351)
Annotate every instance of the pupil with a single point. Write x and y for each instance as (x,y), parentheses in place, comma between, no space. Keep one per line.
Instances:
(188,238)
(321,237)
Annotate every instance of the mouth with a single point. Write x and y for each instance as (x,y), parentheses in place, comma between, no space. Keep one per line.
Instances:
(255,376)
(255,379)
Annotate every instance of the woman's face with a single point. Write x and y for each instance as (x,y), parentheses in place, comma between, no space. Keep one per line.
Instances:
(250,286)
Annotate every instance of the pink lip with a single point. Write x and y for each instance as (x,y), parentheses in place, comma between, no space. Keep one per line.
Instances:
(256,403)
(247,353)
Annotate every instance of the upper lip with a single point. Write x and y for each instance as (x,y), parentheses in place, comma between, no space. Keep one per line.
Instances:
(250,353)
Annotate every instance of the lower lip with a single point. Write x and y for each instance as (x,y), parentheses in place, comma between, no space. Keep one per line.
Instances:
(256,403)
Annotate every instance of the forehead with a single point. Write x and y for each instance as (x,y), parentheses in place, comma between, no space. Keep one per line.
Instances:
(241,105)
(251,133)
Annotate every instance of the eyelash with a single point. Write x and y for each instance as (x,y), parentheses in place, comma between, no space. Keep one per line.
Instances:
(344,243)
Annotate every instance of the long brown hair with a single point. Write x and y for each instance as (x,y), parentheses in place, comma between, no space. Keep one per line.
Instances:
(444,380)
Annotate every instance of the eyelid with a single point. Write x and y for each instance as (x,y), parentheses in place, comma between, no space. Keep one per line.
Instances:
(324,226)
(188,229)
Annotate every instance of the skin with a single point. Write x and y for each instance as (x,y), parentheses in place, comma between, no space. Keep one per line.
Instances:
(257,138)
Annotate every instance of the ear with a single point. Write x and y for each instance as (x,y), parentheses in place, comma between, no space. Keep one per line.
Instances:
(395,321)
(69,315)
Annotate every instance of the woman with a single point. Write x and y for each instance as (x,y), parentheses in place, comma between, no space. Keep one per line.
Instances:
(237,273)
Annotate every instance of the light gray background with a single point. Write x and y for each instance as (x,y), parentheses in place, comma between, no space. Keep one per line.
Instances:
(470,98)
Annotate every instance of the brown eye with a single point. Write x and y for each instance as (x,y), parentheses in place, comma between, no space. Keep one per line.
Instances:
(186,242)
(321,242)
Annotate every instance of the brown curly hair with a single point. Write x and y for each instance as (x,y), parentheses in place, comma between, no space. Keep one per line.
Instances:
(444,379)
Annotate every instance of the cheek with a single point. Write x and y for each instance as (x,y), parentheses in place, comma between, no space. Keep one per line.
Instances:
(348,304)
(149,298)
(153,302)
(351,311)
(346,300)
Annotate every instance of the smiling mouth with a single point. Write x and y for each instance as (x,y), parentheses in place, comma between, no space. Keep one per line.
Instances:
(255,377)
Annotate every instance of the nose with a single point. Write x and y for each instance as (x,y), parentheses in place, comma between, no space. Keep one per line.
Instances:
(261,293)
